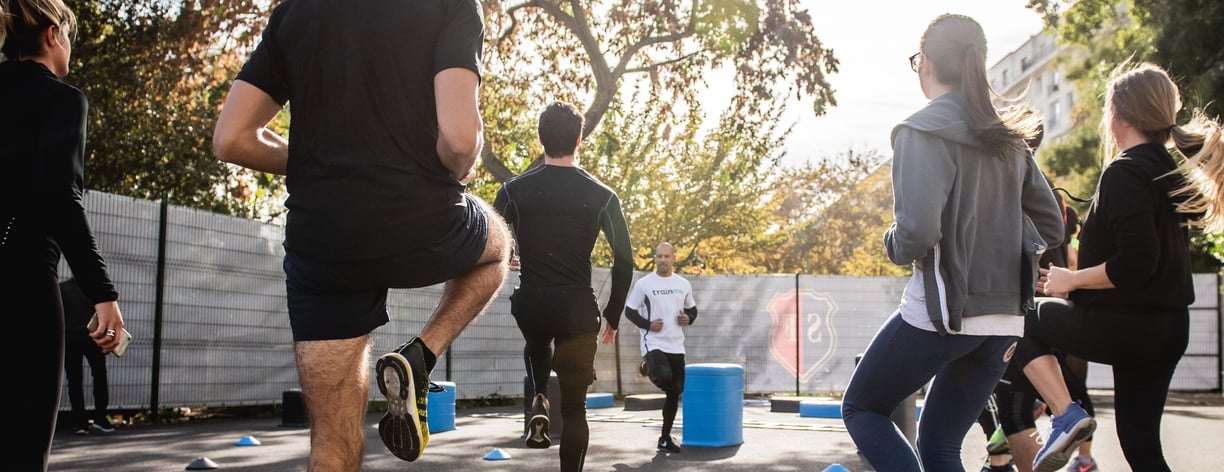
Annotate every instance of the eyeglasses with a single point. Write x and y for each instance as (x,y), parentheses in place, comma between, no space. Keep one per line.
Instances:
(915,61)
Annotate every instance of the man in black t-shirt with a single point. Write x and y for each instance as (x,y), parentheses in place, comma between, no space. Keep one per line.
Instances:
(384,135)
(557,211)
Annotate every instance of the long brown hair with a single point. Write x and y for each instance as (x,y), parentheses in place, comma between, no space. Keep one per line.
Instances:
(956,47)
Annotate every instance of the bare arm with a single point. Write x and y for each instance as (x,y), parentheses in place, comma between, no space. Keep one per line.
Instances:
(241,136)
(1061,280)
(460,128)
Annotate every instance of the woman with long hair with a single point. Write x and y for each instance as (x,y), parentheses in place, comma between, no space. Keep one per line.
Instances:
(972,212)
(1127,305)
(42,143)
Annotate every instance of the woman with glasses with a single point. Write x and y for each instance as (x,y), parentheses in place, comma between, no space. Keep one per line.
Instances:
(972,214)
(42,131)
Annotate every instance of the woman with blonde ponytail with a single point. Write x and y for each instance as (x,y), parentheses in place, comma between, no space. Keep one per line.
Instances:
(42,146)
(1128,303)
(970,205)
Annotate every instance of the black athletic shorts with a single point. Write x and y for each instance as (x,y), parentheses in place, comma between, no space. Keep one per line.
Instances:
(341,300)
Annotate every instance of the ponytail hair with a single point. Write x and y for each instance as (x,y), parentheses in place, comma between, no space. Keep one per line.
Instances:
(1202,142)
(1144,96)
(23,21)
(956,47)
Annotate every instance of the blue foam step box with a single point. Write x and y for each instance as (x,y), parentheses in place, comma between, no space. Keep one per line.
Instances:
(600,400)
(820,408)
(441,408)
(713,405)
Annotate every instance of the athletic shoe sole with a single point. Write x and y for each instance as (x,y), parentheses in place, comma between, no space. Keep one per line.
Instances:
(537,437)
(400,428)
(1059,452)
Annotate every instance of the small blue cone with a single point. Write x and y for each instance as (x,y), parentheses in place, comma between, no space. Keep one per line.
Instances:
(497,455)
(248,440)
(836,468)
(202,463)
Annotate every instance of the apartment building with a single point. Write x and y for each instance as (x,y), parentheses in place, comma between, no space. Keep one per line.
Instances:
(1031,72)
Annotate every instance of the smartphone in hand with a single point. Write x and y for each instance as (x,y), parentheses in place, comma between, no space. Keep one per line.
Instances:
(124,338)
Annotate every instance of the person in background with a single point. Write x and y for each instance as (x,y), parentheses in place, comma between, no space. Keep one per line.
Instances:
(79,346)
(42,217)
(557,211)
(972,211)
(661,304)
(383,141)
(1127,303)
(1011,428)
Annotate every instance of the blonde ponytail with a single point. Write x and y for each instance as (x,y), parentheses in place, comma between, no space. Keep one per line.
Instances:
(1202,142)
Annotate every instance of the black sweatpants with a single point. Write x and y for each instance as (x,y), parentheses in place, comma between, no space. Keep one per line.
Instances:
(666,371)
(569,318)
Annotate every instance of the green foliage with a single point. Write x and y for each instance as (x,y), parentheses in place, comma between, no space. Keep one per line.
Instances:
(155,74)
(638,70)
(1183,36)
(829,218)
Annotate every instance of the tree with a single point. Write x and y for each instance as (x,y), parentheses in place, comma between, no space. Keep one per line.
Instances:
(830,217)
(586,51)
(638,70)
(1180,35)
(155,73)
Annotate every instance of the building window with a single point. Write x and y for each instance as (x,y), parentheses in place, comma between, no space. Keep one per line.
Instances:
(1055,81)
(1055,116)
(1025,63)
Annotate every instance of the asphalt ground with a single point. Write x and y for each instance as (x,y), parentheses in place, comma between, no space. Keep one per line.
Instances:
(1193,432)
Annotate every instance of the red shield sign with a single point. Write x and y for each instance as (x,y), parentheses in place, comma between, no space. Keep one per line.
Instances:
(802,344)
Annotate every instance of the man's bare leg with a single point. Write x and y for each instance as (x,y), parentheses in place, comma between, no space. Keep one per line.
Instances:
(466,297)
(335,378)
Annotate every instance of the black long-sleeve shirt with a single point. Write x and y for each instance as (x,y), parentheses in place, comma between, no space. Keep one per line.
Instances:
(42,149)
(557,213)
(1134,229)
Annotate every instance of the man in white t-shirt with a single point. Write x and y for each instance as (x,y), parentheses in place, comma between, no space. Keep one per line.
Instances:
(661,304)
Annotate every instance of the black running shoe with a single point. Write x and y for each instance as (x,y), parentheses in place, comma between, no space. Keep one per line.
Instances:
(403,380)
(666,443)
(537,426)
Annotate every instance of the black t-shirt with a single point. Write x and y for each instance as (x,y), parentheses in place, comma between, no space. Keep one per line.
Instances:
(1133,227)
(363,176)
(557,214)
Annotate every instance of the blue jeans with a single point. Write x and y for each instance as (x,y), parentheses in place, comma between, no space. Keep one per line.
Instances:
(898,362)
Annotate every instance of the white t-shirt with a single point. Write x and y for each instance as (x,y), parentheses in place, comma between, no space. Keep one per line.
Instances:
(662,298)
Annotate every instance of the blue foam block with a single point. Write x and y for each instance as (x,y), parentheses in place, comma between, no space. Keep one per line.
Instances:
(600,400)
(820,408)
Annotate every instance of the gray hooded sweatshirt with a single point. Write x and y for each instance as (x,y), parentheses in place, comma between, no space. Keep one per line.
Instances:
(971,223)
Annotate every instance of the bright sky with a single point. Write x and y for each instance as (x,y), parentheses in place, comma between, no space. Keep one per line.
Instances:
(875,88)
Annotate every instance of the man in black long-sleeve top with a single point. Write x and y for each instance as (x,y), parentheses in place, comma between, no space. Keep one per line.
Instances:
(557,211)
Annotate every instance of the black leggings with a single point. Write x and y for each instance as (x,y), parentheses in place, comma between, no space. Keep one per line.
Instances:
(568,317)
(35,311)
(667,372)
(1143,349)
(74,350)
(1015,396)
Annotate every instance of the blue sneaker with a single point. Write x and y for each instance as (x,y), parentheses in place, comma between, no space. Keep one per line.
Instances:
(1068,430)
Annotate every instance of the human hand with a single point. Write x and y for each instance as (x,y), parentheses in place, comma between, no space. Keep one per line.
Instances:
(608,336)
(110,324)
(656,325)
(683,319)
(1056,281)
